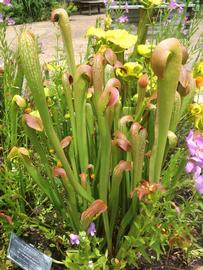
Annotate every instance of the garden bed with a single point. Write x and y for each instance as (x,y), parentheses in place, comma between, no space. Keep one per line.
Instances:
(101,163)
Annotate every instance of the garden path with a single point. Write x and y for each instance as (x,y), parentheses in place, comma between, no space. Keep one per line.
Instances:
(47,33)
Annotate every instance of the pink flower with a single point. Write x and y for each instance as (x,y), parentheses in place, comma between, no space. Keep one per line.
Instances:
(6,2)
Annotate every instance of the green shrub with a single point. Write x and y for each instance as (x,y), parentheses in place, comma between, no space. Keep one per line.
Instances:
(23,11)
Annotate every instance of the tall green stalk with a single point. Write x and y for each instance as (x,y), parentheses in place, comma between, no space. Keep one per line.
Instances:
(67,81)
(104,174)
(61,16)
(13,113)
(79,94)
(166,63)
(32,71)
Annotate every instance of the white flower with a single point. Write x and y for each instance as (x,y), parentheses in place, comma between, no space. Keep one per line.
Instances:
(90,264)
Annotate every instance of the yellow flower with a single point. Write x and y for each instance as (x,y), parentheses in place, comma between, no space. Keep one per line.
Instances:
(118,37)
(53,67)
(130,69)
(133,69)
(51,151)
(151,2)
(67,116)
(121,72)
(46,91)
(156,2)
(121,38)
(199,122)
(195,108)
(198,69)
(145,50)
(102,48)
(107,21)
(20,101)
(97,32)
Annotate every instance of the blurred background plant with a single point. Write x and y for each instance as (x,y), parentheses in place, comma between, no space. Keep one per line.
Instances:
(27,11)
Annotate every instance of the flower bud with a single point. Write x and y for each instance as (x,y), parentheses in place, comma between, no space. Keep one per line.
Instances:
(20,101)
(110,57)
(96,208)
(143,81)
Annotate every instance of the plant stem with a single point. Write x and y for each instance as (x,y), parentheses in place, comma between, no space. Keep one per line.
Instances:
(64,24)
(166,63)
(144,20)
(32,70)
(104,174)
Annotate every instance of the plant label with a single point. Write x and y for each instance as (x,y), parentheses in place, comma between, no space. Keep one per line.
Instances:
(26,256)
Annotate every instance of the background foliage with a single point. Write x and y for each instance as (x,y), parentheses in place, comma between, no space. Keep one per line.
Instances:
(25,11)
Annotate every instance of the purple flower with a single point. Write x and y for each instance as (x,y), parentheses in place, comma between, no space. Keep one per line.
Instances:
(10,21)
(126,7)
(172,5)
(199,184)
(194,142)
(1,18)
(123,19)
(74,239)
(194,167)
(180,9)
(109,2)
(191,143)
(92,229)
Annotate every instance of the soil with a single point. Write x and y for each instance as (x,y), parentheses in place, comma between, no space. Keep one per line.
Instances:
(173,261)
